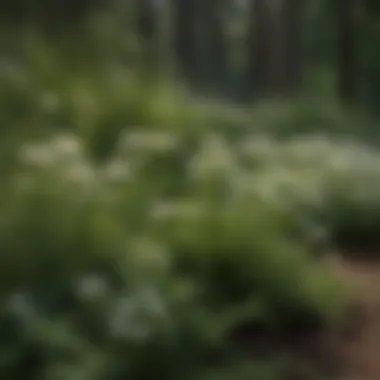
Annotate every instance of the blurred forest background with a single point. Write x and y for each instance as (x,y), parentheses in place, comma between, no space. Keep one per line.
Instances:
(174,173)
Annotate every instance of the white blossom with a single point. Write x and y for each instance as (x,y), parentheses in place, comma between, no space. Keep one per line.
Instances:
(213,158)
(92,287)
(67,145)
(118,170)
(136,316)
(80,173)
(37,154)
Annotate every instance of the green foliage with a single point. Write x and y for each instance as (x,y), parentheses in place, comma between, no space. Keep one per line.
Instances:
(46,13)
(332,182)
(140,229)
(109,270)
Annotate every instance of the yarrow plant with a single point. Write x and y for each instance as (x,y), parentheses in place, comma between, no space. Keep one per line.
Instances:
(306,173)
(176,234)
(319,174)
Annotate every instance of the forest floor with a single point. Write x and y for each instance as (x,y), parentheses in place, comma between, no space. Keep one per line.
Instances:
(349,350)
(354,351)
(346,351)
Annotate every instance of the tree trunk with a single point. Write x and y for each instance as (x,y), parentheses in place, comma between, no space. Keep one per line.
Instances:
(145,19)
(215,46)
(185,39)
(347,56)
(146,25)
(284,67)
(259,48)
(292,41)
(274,67)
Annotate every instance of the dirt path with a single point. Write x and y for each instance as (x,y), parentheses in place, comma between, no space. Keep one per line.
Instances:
(359,350)
(347,351)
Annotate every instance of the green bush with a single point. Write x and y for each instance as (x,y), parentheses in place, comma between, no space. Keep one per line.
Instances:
(97,99)
(333,183)
(139,229)
(109,270)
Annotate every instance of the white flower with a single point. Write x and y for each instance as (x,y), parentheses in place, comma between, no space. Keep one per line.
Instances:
(118,170)
(125,321)
(135,317)
(92,287)
(37,154)
(67,145)
(152,302)
(214,158)
(80,173)
(50,153)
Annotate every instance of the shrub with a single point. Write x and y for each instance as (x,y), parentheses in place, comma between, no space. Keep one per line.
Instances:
(106,272)
(333,183)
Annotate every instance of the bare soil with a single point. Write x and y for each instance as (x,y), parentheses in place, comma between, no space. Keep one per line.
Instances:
(357,347)
(347,351)
(351,350)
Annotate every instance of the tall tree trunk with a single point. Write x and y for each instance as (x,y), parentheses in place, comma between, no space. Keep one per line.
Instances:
(145,18)
(347,65)
(275,68)
(292,31)
(259,48)
(185,38)
(284,74)
(215,46)
(146,25)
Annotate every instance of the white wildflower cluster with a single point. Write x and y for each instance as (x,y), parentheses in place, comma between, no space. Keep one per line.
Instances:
(60,158)
(65,156)
(91,287)
(308,169)
(299,171)
(57,150)
(214,158)
(117,170)
(137,316)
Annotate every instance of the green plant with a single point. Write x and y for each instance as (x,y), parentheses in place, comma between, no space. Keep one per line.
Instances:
(114,274)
